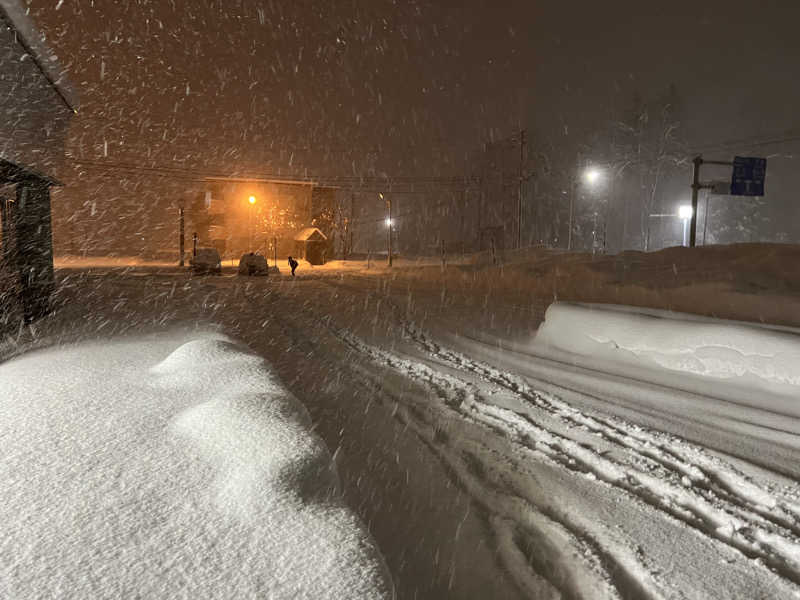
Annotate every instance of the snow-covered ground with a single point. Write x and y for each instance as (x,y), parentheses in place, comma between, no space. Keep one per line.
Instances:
(488,463)
(749,362)
(595,505)
(173,465)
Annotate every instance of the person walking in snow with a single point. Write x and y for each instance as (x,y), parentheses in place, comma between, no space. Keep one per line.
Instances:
(292,264)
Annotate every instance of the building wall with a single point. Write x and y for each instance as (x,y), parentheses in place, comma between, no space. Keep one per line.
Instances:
(34,120)
(232,225)
(33,117)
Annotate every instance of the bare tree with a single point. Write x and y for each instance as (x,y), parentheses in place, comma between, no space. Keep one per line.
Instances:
(647,149)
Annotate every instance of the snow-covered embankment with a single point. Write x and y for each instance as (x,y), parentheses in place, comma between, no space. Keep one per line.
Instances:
(744,362)
(172,466)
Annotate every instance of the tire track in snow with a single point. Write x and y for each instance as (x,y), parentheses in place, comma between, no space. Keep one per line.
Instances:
(583,570)
(716,518)
(704,492)
(669,451)
(700,490)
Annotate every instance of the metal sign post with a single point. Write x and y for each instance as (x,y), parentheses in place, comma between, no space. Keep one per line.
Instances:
(747,179)
(698,161)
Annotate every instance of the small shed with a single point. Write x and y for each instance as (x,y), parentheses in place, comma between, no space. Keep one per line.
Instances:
(311,244)
(37,104)
(26,236)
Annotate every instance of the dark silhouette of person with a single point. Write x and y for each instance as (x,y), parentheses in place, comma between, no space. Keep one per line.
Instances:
(292,264)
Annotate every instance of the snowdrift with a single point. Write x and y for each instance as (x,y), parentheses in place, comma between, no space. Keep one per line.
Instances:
(715,357)
(175,467)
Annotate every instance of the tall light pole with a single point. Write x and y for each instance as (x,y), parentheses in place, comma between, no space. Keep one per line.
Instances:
(388,224)
(685,212)
(592,177)
(252,201)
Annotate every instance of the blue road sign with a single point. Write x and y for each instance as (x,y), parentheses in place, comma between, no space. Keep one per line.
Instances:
(749,174)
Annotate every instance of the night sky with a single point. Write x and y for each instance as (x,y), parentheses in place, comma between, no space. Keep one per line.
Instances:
(365,85)
(409,88)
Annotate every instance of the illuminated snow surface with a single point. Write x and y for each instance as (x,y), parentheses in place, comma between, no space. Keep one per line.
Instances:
(620,454)
(169,467)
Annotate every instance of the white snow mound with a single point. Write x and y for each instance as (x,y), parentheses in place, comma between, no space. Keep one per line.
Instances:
(169,468)
(737,354)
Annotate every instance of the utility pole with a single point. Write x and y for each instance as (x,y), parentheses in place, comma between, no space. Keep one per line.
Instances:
(194,244)
(181,237)
(519,191)
(351,223)
(462,211)
(480,202)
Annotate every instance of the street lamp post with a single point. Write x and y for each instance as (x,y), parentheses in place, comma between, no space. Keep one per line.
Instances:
(591,176)
(252,201)
(685,212)
(388,224)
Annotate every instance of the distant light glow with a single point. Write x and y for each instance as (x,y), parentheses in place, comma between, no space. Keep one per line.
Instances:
(389,222)
(252,199)
(685,211)
(592,175)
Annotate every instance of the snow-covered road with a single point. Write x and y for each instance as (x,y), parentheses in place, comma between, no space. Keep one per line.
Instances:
(509,444)
(494,474)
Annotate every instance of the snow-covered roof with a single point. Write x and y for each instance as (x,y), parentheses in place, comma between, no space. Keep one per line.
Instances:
(16,14)
(310,234)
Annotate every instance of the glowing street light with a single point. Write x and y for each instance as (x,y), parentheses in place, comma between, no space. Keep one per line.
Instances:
(592,175)
(389,222)
(685,212)
(252,199)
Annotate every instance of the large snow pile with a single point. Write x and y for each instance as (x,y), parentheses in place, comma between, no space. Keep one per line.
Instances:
(703,354)
(177,467)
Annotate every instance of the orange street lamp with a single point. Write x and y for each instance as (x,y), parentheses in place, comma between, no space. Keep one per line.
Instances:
(252,201)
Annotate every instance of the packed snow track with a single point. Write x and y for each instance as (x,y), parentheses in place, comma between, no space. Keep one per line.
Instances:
(499,436)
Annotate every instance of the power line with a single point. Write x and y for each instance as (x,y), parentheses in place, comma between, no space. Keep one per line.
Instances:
(384,183)
(791,135)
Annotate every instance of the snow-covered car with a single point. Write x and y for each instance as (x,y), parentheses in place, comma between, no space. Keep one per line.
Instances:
(253,264)
(206,262)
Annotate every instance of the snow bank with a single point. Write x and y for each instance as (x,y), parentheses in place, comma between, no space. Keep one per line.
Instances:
(640,341)
(169,467)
